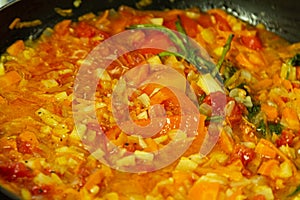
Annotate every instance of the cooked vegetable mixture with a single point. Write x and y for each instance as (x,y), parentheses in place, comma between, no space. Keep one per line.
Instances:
(257,152)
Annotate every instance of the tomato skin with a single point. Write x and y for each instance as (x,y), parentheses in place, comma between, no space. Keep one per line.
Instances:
(252,42)
(14,171)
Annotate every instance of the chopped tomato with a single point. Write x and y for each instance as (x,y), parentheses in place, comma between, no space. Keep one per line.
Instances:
(205,20)
(237,113)
(146,51)
(243,153)
(252,42)
(217,100)
(286,138)
(190,25)
(27,142)
(170,23)
(158,41)
(222,24)
(14,171)
(45,189)
(62,28)
(84,29)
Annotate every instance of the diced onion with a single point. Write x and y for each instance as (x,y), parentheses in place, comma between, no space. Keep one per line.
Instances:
(154,60)
(111,196)
(185,164)
(177,135)
(209,84)
(157,21)
(146,156)
(98,154)
(2,69)
(161,139)
(145,99)
(51,83)
(61,96)
(126,161)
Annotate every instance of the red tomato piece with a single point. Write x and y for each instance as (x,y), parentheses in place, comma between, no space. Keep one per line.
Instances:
(286,138)
(189,25)
(84,29)
(158,42)
(252,42)
(152,51)
(222,23)
(45,189)
(205,20)
(62,28)
(243,153)
(170,23)
(14,171)
(237,113)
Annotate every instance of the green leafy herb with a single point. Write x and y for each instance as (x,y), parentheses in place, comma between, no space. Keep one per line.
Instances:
(179,26)
(297,190)
(226,48)
(185,51)
(168,53)
(275,128)
(262,128)
(228,70)
(253,111)
(201,98)
(295,61)
(176,39)
(242,85)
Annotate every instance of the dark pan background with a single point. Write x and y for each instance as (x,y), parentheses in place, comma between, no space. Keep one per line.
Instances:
(279,16)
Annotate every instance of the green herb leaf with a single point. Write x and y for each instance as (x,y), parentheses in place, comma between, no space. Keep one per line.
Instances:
(262,128)
(179,26)
(224,52)
(228,70)
(185,50)
(275,128)
(201,98)
(177,40)
(295,61)
(295,192)
(168,53)
(253,111)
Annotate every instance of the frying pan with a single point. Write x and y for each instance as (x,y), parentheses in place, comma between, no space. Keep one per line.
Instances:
(279,16)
